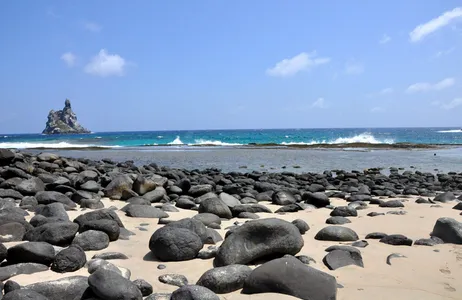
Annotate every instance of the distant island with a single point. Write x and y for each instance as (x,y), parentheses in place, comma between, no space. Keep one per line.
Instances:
(63,121)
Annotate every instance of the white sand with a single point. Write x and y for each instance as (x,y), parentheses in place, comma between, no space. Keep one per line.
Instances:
(424,274)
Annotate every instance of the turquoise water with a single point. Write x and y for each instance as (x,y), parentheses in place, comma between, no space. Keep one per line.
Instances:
(229,138)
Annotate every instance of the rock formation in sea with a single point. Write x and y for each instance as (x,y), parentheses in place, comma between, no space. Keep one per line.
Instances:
(63,121)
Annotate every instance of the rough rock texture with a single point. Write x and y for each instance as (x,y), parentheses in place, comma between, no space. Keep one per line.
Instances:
(449,230)
(175,244)
(336,233)
(63,121)
(193,292)
(69,260)
(259,239)
(72,287)
(289,276)
(112,286)
(34,252)
(24,295)
(223,280)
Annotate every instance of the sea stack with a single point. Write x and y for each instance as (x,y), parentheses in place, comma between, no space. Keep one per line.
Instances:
(63,121)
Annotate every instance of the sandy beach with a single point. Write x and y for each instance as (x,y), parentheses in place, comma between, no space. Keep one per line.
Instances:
(425,273)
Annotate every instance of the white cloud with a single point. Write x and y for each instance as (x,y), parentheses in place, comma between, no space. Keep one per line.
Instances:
(444,52)
(320,103)
(435,24)
(300,62)
(385,39)
(105,64)
(376,109)
(69,59)
(453,104)
(435,103)
(386,91)
(426,86)
(92,26)
(354,68)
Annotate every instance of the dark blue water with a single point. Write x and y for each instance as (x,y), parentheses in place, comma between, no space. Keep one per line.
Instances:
(444,136)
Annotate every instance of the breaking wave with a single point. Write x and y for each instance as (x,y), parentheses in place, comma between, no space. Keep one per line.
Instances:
(363,138)
(202,142)
(451,131)
(177,141)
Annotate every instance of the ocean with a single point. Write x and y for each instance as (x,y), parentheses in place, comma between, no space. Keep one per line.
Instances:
(260,150)
(236,138)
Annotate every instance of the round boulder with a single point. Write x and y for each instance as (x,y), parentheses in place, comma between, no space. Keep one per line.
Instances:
(175,244)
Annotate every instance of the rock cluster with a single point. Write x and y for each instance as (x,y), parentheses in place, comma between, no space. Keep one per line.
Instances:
(63,121)
(47,186)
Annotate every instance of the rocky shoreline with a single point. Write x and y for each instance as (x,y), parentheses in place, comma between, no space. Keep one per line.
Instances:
(235,234)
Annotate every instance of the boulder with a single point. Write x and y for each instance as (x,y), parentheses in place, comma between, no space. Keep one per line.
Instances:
(72,287)
(70,259)
(6,157)
(396,240)
(110,227)
(58,234)
(117,186)
(261,239)
(336,233)
(144,211)
(301,225)
(144,287)
(48,197)
(223,280)
(207,218)
(21,268)
(449,230)
(24,295)
(340,258)
(344,211)
(143,185)
(283,198)
(193,225)
(392,203)
(92,240)
(193,292)
(174,279)
(110,285)
(12,232)
(317,199)
(337,220)
(31,252)
(55,210)
(101,214)
(215,206)
(170,243)
(289,276)
(229,200)
(445,197)
(31,186)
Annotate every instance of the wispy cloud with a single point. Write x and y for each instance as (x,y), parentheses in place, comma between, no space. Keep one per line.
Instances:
(320,103)
(91,26)
(298,63)
(446,18)
(427,86)
(354,68)
(377,109)
(105,64)
(444,52)
(69,58)
(385,39)
(386,91)
(452,104)
(51,12)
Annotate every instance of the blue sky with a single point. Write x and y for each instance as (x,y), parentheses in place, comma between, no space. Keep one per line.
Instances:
(161,65)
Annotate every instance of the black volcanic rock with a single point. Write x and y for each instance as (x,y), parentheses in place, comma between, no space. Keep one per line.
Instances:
(63,121)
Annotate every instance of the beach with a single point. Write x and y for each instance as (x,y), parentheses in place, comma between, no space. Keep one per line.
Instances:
(419,271)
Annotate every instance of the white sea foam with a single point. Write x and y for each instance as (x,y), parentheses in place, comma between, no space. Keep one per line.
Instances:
(60,145)
(451,131)
(159,136)
(366,138)
(177,141)
(214,143)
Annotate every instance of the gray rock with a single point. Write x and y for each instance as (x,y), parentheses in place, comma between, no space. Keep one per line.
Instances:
(90,186)
(6,157)
(339,258)
(12,232)
(31,252)
(344,211)
(396,240)
(143,185)
(392,203)
(301,225)
(337,220)
(185,203)
(375,214)
(376,235)
(317,199)
(21,268)
(342,248)
(110,285)
(70,259)
(159,296)
(175,244)
(144,287)
(59,234)
(117,186)
(48,197)
(207,218)
(260,238)
(215,206)
(72,287)
(19,294)
(100,214)
(458,206)
(449,230)
(283,198)
(213,236)
(173,279)
(92,240)
(445,197)
(156,195)
(305,259)
(193,292)
(193,225)
(432,241)
(143,211)
(31,186)
(53,210)
(248,215)
(336,233)
(289,276)
(223,280)
(110,255)
(10,286)
(229,200)
(110,227)
(360,244)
